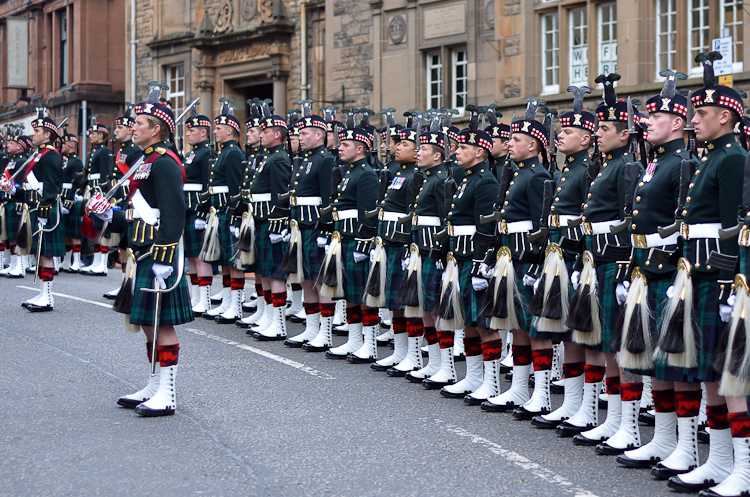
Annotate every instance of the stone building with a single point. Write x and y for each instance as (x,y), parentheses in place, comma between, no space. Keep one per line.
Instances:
(62,53)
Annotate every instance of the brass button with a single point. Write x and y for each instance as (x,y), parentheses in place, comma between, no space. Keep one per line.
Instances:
(632,226)
(635,212)
(638,198)
(661,266)
(562,180)
(648,263)
(641,184)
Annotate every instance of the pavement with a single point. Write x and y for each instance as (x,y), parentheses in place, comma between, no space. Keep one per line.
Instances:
(253,418)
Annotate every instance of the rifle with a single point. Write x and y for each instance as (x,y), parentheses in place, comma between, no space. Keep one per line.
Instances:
(632,173)
(506,176)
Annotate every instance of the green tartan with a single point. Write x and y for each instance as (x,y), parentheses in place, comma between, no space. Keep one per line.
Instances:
(312,255)
(175,306)
(354,273)
(12,221)
(430,282)
(394,276)
(610,310)
(72,223)
(53,243)
(226,241)
(470,298)
(191,237)
(268,256)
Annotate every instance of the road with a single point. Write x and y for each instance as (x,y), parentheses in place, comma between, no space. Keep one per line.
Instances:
(254,418)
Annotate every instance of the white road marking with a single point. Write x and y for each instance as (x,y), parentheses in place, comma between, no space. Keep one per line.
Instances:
(266,354)
(519,460)
(65,296)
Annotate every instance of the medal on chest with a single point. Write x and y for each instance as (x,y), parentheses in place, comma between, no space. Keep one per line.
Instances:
(261,166)
(143,172)
(397,183)
(309,166)
(649,172)
(11,165)
(121,158)
(344,184)
(461,190)
(189,158)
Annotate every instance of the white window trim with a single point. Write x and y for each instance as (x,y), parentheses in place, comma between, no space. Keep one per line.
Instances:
(673,19)
(600,10)
(550,88)
(698,70)
(736,66)
(454,78)
(585,46)
(429,81)
(179,131)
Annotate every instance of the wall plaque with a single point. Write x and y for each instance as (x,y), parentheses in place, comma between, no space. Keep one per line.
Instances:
(397,29)
(445,21)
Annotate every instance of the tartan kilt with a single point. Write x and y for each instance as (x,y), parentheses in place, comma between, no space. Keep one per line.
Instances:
(98,223)
(191,237)
(175,306)
(430,282)
(354,273)
(226,241)
(72,223)
(610,309)
(470,298)
(12,221)
(527,292)
(53,243)
(394,276)
(268,255)
(312,255)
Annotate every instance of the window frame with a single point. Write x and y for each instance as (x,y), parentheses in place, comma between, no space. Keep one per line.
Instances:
(736,27)
(174,96)
(612,28)
(64,48)
(547,86)
(692,50)
(581,30)
(670,34)
(429,81)
(455,79)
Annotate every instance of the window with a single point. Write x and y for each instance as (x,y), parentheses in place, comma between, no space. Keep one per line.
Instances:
(731,19)
(176,94)
(460,79)
(607,38)
(63,48)
(666,34)
(550,53)
(698,32)
(579,53)
(434,81)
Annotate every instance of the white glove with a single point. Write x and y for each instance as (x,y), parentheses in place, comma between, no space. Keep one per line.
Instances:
(98,204)
(528,280)
(621,292)
(326,247)
(725,313)
(10,189)
(536,285)
(275,238)
(42,221)
(731,300)
(285,235)
(372,256)
(439,265)
(64,210)
(162,272)
(574,279)
(405,263)
(200,224)
(670,291)
(105,216)
(78,198)
(6,185)
(485,270)
(322,241)
(478,283)
(235,231)
(359,256)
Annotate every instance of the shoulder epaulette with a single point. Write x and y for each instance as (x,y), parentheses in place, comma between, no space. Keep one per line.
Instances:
(160,150)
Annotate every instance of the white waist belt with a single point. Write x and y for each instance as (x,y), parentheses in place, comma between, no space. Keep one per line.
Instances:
(260,197)
(602,227)
(655,240)
(519,227)
(345,214)
(563,218)
(391,216)
(193,187)
(306,201)
(705,230)
(67,186)
(28,187)
(218,189)
(465,230)
(95,176)
(156,212)
(426,221)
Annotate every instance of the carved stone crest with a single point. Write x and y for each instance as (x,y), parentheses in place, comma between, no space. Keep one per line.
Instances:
(223,21)
(249,10)
(397,29)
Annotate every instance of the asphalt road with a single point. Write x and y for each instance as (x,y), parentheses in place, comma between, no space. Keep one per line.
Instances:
(254,418)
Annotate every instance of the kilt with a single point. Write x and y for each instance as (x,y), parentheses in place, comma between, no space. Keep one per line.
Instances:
(53,244)
(354,273)
(528,291)
(470,298)
(191,237)
(394,276)
(430,282)
(175,306)
(707,320)
(610,309)
(12,221)
(226,241)
(71,223)
(268,256)
(312,255)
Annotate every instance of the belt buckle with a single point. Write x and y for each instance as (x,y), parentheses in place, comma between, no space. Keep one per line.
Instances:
(335,215)
(293,201)
(502,227)
(639,241)
(587,229)
(554,220)
(744,237)
(685,231)
(450,229)
(381,214)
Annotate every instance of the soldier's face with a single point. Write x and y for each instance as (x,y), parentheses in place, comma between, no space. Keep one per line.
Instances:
(662,126)
(143,134)
(253,137)
(68,147)
(13,148)
(427,157)
(468,155)
(497,147)
(572,140)
(309,138)
(609,138)
(270,137)
(331,137)
(122,133)
(223,133)
(710,121)
(351,150)
(405,152)
(521,147)
(196,135)
(38,136)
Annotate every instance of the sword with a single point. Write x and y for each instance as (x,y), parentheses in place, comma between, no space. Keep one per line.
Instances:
(41,232)
(187,109)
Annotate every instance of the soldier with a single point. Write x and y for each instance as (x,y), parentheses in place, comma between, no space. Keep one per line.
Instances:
(389,138)
(500,134)
(44,176)
(18,146)
(156,255)
(197,173)
(127,155)
(271,179)
(701,290)
(462,286)
(97,170)
(294,312)
(571,186)
(310,192)
(73,184)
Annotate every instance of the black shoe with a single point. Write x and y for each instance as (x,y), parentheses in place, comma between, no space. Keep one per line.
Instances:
(647,418)
(558,389)
(39,308)
(490,407)
(505,369)
(522,414)
(251,332)
(337,357)
(413,379)
(295,319)
(294,344)
(308,347)
(360,360)
(429,384)
(637,463)
(109,296)
(222,320)
(129,403)
(450,395)
(208,316)
(509,375)
(544,423)
(567,430)
(459,358)
(396,373)
(675,483)
(605,449)
(265,338)
(150,413)
(662,472)
(587,442)
(379,367)
(602,404)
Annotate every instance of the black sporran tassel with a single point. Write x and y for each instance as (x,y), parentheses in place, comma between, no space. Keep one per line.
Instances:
(720,353)
(575,301)
(736,360)
(581,319)
(330,277)
(553,302)
(289,261)
(616,343)
(408,294)
(636,344)
(373,283)
(536,302)
(488,301)
(500,309)
(672,341)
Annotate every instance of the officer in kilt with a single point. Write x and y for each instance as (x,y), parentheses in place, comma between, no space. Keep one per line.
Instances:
(344,270)
(462,286)
(97,168)
(575,139)
(73,184)
(701,290)
(428,219)
(17,146)
(310,192)
(225,180)
(271,178)
(44,176)
(197,175)
(154,225)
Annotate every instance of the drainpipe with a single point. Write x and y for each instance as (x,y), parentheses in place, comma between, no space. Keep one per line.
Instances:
(303,55)
(133,43)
